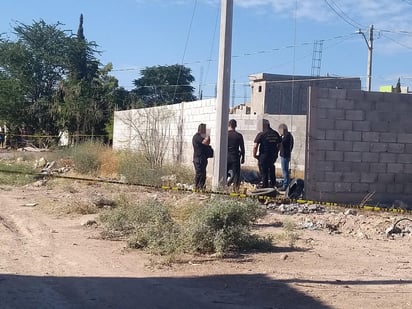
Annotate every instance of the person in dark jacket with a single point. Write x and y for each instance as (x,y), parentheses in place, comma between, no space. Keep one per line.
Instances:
(265,150)
(235,154)
(201,152)
(285,153)
(2,138)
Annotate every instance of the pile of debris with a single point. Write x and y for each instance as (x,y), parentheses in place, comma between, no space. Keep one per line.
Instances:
(48,168)
(400,229)
(295,208)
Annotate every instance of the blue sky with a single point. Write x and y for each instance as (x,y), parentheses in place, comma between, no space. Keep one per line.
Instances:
(273,36)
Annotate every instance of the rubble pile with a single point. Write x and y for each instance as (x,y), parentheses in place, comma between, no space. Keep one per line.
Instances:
(49,167)
(295,208)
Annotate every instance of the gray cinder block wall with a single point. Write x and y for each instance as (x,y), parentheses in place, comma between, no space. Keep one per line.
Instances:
(358,143)
(287,94)
(180,124)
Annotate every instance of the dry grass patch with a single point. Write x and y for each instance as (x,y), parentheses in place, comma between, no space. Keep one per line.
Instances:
(109,163)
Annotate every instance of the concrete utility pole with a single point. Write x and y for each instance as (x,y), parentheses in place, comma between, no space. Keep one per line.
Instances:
(369,44)
(223,95)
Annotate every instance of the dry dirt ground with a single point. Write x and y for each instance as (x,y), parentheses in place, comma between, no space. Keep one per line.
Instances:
(48,259)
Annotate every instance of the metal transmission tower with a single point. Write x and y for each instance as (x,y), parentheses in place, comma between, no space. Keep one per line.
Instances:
(317,57)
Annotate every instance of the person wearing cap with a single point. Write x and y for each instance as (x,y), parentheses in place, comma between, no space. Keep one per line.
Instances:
(235,154)
(285,152)
(265,150)
(201,152)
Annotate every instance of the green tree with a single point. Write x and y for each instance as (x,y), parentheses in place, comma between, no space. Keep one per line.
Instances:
(81,99)
(12,101)
(160,85)
(36,62)
(51,80)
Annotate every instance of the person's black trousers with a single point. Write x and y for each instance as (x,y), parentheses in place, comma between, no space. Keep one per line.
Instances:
(267,172)
(233,164)
(200,165)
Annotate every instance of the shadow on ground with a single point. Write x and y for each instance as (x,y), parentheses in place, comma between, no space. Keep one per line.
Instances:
(224,291)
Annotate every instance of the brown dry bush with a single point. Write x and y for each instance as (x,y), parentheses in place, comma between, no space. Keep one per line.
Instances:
(109,163)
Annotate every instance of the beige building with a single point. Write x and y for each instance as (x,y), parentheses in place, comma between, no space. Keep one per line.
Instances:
(276,94)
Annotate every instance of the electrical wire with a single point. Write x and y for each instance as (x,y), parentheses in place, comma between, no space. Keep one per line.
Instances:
(212,45)
(396,42)
(346,15)
(342,14)
(404,32)
(246,54)
(294,63)
(185,48)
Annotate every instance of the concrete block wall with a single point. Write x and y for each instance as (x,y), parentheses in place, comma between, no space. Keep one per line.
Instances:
(359,143)
(184,120)
(274,93)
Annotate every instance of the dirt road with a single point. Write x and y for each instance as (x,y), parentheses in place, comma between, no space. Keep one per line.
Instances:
(55,262)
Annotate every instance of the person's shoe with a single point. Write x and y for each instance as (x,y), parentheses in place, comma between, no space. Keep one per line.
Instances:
(283,188)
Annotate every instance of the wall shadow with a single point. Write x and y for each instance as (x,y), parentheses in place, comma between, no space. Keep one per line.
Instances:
(349,282)
(223,291)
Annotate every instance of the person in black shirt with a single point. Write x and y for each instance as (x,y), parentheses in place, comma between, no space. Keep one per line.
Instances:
(1,138)
(285,153)
(267,142)
(201,152)
(235,154)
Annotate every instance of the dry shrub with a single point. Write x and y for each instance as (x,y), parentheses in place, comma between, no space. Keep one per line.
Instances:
(219,226)
(185,206)
(86,157)
(138,170)
(147,225)
(80,207)
(289,236)
(109,163)
(224,225)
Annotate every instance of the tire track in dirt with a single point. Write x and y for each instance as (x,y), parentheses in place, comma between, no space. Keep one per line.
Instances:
(8,225)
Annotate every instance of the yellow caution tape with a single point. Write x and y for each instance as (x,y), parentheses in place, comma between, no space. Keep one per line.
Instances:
(232,194)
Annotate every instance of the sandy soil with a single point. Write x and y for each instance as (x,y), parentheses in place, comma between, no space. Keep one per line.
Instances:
(48,259)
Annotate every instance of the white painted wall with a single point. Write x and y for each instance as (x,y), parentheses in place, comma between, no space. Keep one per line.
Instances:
(194,113)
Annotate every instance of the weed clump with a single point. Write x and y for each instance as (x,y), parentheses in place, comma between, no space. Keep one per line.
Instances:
(221,226)
(146,225)
(18,174)
(224,226)
(138,170)
(86,157)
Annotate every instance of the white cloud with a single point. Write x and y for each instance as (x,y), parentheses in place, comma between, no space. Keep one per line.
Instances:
(383,13)
(392,15)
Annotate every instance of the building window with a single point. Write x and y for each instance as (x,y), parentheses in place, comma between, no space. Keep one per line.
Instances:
(260,89)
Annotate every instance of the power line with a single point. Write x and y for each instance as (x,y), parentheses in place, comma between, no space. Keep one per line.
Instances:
(212,45)
(186,45)
(247,54)
(344,38)
(397,42)
(404,32)
(276,81)
(339,12)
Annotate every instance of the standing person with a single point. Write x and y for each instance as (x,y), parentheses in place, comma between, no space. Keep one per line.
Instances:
(267,142)
(201,152)
(2,137)
(235,154)
(285,153)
